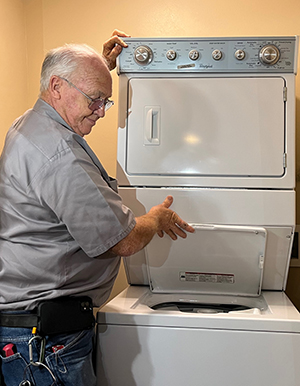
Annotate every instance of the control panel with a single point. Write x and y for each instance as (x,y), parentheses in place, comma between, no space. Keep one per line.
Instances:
(259,54)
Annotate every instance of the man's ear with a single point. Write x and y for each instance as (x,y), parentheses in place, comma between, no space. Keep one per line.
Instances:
(55,85)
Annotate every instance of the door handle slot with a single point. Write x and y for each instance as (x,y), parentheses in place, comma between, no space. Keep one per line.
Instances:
(152,125)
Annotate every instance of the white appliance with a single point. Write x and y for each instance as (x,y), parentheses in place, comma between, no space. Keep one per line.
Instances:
(210,121)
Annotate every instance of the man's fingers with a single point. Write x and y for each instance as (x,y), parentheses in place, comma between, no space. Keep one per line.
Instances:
(168,202)
(120,33)
(182,224)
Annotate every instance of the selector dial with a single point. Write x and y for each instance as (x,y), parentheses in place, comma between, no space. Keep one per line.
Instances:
(217,54)
(194,55)
(269,54)
(171,55)
(240,54)
(143,55)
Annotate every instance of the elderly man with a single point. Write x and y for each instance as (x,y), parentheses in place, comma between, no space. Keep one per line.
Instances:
(63,224)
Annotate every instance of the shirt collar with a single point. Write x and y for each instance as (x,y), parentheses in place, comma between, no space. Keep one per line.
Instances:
(43,107)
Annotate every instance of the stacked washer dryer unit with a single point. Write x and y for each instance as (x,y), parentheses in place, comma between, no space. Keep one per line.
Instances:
(212,123)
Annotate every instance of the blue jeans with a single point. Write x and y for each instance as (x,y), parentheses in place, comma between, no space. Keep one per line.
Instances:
(71,365)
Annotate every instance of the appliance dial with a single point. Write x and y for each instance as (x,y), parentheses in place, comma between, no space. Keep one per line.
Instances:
(171,55)
(143,55)
(269,54)
(240,54)
(217,54)
(194,55)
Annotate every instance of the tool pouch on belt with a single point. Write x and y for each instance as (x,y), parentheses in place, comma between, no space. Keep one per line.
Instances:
(64,315)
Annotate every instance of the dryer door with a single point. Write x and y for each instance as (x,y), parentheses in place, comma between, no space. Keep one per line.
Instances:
(216,259)
(206,127)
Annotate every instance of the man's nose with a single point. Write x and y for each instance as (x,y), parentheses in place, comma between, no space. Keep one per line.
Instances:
(100,112)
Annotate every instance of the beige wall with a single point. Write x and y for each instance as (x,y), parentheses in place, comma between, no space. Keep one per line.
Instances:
(13,66)
(29,28)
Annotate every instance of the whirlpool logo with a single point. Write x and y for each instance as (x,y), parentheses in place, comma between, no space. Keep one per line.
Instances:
(205,65)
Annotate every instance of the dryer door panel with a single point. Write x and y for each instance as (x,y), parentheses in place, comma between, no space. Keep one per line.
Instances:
(206,127)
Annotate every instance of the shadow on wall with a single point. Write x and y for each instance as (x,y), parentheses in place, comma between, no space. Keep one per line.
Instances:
(293,286)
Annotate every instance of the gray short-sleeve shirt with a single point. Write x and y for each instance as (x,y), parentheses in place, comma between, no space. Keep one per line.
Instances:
(59,215)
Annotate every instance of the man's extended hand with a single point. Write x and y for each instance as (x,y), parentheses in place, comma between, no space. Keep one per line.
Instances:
(169,221)
(113,47)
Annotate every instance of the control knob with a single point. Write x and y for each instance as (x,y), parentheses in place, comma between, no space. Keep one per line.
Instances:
(143,55)
(240,54)
(217,54)
(269,54)
(171,55)
(194,55)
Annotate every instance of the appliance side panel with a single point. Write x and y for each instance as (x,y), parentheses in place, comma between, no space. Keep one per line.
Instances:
(160,356)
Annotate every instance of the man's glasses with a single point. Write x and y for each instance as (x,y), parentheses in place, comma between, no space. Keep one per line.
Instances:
(95,104)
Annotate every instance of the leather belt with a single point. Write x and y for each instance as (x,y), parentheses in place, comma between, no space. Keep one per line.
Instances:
(20,320)
(66,314)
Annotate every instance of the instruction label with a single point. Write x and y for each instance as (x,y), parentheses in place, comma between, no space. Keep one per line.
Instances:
(207,277)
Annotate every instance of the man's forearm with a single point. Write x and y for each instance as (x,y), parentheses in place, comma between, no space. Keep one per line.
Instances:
(160,219)
(145,228)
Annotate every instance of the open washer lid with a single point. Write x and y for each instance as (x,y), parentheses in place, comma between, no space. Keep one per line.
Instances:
(216,259)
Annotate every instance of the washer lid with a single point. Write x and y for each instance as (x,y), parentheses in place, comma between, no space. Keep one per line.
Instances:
(216,259)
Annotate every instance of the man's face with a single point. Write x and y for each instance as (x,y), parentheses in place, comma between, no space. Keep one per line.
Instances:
(94,79)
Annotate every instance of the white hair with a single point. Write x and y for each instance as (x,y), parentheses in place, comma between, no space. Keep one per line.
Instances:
(64,61)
